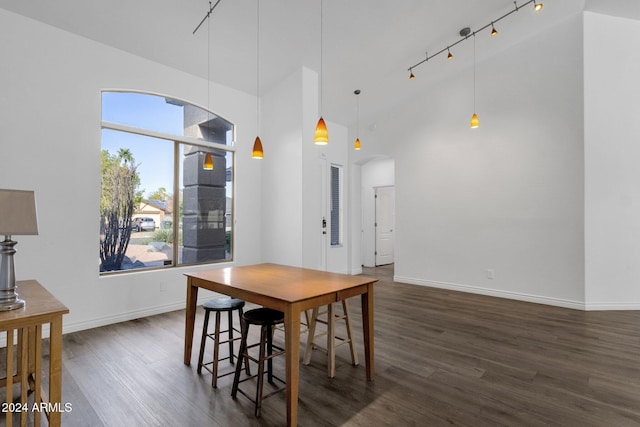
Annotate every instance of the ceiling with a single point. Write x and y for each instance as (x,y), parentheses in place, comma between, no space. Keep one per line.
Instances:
(366,44)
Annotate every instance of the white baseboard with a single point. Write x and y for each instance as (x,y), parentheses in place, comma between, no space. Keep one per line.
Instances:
(122,317)
(576,305)
(601,306)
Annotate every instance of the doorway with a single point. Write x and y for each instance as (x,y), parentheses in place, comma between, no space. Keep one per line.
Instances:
(377,176)
(384,225)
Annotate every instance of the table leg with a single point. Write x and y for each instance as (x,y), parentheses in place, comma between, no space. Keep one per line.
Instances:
(190,320)
(367,326)
(9,377)
(292,348)
(55,371)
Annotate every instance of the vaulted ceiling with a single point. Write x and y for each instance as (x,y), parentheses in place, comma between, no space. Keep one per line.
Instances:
(366,44)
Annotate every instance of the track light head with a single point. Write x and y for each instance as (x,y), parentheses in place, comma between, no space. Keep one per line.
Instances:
(537,6)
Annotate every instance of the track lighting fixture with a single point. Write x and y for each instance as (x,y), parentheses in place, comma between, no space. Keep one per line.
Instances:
(464,34)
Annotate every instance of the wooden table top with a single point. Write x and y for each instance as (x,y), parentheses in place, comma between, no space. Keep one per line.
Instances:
(282,282)
(39,306)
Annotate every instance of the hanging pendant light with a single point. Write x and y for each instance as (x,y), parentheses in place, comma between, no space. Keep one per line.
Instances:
(321,135)
(208,159)
(258,153)
(494,32)
(257,149)
(357,145)
(449,54)
(537,6)
(208,162)
(475,122)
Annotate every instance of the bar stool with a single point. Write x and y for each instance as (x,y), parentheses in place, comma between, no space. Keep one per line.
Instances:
(330,321)
(218,305)
(267,319)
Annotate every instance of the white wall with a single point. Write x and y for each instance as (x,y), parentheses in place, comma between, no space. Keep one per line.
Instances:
(50,112)
(612,150)
(292,187)
(281,181)
(507,196)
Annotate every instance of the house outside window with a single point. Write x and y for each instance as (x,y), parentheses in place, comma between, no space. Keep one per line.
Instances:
(167,183)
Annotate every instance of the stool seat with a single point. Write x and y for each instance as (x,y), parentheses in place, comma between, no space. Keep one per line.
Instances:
(263,316)
(223,304)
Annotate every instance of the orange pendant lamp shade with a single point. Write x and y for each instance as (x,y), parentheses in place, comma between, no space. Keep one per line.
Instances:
(321,136)
(257,149)
(475,121)
(208,162)
(357,145)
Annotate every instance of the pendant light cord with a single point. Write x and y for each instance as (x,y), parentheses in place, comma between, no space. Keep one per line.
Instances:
(474,72)
(258,68)
(209,66)
(357,114)
(321,69)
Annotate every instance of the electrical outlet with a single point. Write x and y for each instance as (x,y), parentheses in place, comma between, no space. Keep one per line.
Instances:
(490,273)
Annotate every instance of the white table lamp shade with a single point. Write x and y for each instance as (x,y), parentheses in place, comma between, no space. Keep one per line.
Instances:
(18,213)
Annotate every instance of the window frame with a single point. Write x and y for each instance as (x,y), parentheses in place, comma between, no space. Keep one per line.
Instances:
(177,140)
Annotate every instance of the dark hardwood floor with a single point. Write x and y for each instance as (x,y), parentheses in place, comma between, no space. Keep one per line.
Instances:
(442,358)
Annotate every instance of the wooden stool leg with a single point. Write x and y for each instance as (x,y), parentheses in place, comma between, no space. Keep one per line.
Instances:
(352,346)
(230,326)
(205,327)
(310,336)
(244,328)
(216,351)
(331,342)
(263,339)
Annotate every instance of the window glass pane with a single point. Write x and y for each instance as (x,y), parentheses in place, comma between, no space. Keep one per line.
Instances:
(150,162)
(166,115)
(335,206)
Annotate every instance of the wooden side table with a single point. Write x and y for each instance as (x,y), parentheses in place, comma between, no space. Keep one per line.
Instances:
(40,308)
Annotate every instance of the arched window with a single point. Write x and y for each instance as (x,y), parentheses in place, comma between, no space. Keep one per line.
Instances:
(167,183)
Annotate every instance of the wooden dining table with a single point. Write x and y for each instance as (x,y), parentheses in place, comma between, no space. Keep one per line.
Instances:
(290,290)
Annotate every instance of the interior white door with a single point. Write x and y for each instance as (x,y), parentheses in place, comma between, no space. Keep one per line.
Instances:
(384,224)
